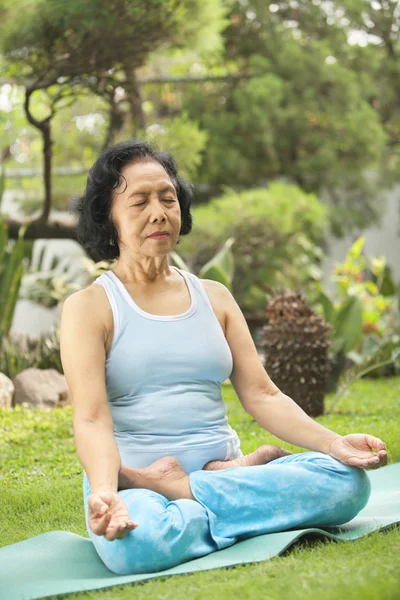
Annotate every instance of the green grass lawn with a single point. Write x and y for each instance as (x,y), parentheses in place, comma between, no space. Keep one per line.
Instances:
(41,490)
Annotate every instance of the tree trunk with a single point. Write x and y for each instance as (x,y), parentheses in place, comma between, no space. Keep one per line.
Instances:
(133,90)
(44,128)
(115,121)
(39,229)
(47,160)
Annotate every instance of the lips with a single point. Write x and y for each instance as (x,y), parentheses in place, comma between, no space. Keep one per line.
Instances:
(159,234)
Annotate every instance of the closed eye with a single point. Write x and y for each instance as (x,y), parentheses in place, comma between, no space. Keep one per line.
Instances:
(164,200)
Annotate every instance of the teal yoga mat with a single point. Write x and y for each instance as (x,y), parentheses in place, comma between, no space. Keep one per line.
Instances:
(59,562)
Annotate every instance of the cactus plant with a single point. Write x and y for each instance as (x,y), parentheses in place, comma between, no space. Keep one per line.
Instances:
(295,346)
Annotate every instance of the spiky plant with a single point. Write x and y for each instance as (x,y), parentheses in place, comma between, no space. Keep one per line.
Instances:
(295,345)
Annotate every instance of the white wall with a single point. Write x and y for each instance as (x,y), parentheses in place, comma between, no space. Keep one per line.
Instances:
(382,238)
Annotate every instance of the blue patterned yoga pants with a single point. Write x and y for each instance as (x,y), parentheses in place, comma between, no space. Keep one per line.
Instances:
(297,491)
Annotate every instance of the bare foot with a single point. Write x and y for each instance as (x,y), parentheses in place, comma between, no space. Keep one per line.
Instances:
(261,456)
(164,476)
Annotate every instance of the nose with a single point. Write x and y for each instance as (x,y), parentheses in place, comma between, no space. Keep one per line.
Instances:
(157,209)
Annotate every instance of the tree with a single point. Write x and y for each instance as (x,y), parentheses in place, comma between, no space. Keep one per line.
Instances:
(97,46)
(310,113)
(289,95)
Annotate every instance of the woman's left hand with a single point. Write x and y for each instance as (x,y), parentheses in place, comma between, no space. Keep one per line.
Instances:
(356,450)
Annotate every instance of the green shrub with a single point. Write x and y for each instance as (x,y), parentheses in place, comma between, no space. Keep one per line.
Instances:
(276,230)
(364,315)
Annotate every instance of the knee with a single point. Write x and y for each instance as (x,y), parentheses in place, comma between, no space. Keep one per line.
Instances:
(146,548)
(347,489)
(357,489)
(352,492)
(138,552)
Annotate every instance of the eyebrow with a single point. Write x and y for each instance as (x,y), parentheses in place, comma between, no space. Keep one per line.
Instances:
(168,188)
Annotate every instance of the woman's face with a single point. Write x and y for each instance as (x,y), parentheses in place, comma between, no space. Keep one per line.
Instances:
(148,204)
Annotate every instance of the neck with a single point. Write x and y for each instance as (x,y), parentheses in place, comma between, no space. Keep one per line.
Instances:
(146,271)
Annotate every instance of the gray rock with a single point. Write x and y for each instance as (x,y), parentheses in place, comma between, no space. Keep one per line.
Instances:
(6,391)
(41,388)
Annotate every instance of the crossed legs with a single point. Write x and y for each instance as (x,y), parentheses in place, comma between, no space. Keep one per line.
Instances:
(224,506)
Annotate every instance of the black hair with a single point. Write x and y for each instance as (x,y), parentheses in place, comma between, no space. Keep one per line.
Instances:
(94,229)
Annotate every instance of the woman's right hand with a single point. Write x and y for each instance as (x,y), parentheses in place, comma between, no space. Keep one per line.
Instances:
(108,515)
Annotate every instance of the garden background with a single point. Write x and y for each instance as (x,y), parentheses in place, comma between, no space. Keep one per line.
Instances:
(286,117)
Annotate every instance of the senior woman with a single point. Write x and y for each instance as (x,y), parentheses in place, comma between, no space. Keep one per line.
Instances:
(145,349)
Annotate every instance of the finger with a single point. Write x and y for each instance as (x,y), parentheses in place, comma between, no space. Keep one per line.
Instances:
(373,466)
(111,532)
(383,458)
(99,527)
(110,535)
(99,515)
(103,519)
(380,459)
(364,463)
(98,509)
(118,532)
(374,442)
(376,462)
(123,524)
(125,530)
(130,523)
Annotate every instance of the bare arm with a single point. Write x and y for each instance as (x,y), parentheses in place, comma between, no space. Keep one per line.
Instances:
(284,418)
(278,413)
(260,397)
(83,359)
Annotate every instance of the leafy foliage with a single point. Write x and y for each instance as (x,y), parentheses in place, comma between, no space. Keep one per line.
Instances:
(304,117)
(311,104)
(182,137)
(275,230)
(73,39)
(362,309)
(365,335)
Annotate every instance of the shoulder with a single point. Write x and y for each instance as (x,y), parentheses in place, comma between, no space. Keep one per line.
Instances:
(216,289)
(89,303)
(85,298)
(221,298)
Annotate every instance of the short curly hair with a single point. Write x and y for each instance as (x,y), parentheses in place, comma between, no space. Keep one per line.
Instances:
(94,229)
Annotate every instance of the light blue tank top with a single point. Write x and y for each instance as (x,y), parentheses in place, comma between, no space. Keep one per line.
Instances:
(163,380)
